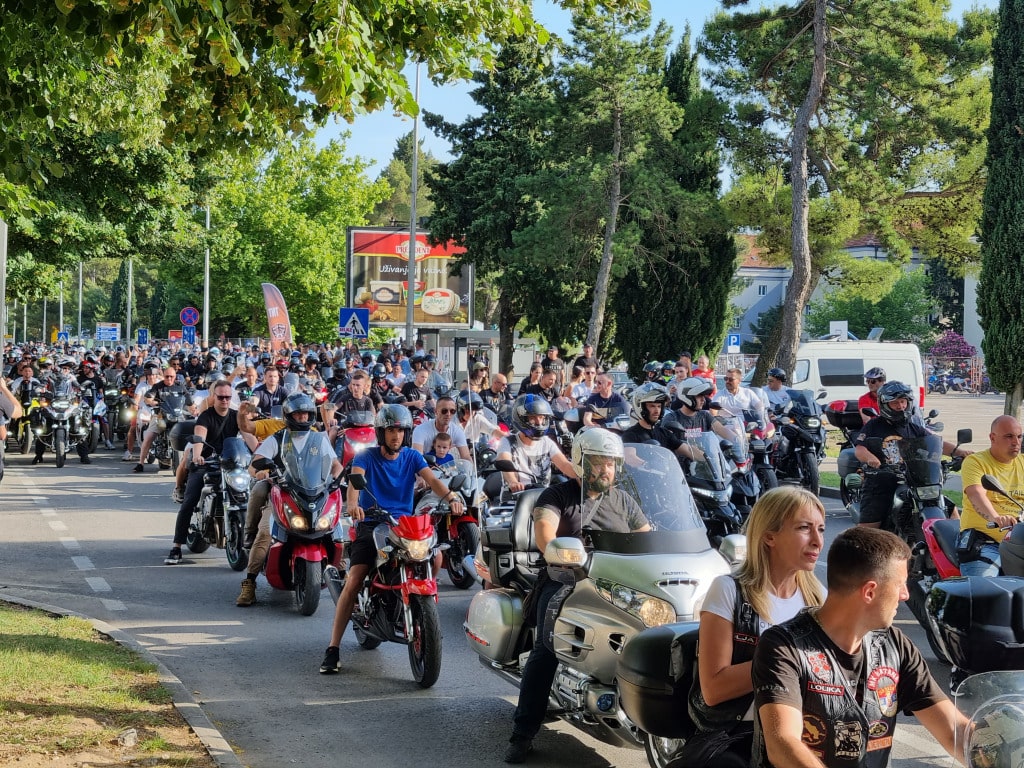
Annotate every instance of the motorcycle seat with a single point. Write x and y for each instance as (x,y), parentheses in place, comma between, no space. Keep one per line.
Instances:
(524,544)
(946,533)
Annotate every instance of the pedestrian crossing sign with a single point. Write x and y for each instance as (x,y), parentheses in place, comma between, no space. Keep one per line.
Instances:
(354,322)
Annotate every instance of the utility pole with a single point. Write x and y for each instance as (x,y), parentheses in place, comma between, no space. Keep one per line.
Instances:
(206,282)
(410,316)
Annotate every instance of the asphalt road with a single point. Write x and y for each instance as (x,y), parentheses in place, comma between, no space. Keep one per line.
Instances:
(91,539)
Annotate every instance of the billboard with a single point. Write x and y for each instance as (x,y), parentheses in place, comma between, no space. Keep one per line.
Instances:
(378,272)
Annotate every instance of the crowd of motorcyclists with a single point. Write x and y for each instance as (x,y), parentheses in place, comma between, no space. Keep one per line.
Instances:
(567,430)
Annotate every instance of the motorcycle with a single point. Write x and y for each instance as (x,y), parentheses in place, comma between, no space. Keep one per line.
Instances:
(760,436)
(172,410)
(63,422)
(970,622)
(121,407)
(709,477)
(800,440)
(357,435)
(746,485)
(938,383)
(615,586)
(219,517)
(24,433)
(456,536)
(398,601)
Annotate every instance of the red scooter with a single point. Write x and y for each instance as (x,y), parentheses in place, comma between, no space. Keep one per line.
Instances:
(357,435)
(398,600)
(307,507)
(458,535)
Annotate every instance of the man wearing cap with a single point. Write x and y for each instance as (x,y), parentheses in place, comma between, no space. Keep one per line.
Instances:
(586,358)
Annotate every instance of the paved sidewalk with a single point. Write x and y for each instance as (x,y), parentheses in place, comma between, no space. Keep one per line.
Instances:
(957,411)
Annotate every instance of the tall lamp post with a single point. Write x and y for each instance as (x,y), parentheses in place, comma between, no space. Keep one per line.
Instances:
(411,274)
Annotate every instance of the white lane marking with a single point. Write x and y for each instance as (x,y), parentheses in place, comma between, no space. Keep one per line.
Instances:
(98,584)
(113,605)
(83,563)
(47,512)
(57,525)
(70,543)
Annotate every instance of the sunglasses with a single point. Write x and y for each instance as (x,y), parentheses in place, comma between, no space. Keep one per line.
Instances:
(224,398)
(446,410)
(875,381)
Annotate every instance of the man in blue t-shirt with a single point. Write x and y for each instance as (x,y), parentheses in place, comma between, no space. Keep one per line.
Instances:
(391,470)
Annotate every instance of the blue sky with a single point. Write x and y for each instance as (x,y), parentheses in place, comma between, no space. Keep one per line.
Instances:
(373,137)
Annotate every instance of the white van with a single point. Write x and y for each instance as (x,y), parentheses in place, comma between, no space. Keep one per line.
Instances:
(838,367)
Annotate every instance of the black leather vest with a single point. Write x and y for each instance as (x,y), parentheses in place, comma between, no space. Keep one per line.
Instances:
(838,729)
(728,714)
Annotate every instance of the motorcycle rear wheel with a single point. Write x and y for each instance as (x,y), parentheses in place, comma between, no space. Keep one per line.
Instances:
(234,548)
(424,640)
(810,478)
(469,537)
(308,583)
(60,446)
(195,541)
(366,642)
(25,441)
(661,751)
(94,438)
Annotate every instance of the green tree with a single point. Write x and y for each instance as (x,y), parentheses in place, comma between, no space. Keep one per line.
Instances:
(398,176)
(892,145)
(1001,286)
(904,310)
(688,250)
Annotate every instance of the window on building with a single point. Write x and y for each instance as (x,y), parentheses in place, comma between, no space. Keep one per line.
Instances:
(762,290)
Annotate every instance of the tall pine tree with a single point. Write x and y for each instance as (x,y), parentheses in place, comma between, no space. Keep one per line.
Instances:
(1001,289)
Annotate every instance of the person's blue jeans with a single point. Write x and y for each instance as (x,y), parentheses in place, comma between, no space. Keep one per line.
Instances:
(980,567)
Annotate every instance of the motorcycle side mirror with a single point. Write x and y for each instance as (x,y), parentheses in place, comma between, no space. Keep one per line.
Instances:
(431,460)
(964,436)
(357,481)
(933,413)
(457,482)
(504,465)
(752,425)
(261,462)
(822,394)
(621,423)
(727,447)
(871,412)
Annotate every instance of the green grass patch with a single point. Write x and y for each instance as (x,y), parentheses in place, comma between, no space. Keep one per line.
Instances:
(66,688)
(831,480)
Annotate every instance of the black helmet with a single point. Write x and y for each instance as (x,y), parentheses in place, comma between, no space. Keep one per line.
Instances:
(299,403)
(339,366)
(378,372)
(531,405)
(265,359)
(875,373)
(693,388)
(777,373)
(891,391)
(393,415)
(652,367)
(471,400)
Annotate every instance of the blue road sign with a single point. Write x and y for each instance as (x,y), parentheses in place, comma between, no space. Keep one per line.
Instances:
(354,322)
(188,334)
(189,316)
(733,340)
(63,337)
(143,336)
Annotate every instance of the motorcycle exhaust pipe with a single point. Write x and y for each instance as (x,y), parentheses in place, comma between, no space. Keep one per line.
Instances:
(335,582)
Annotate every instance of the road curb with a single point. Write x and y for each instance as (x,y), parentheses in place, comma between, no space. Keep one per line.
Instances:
(210,737)
(829,493)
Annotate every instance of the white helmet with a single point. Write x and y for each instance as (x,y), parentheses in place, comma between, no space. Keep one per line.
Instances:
(595,442)
(693,387)
(649,392)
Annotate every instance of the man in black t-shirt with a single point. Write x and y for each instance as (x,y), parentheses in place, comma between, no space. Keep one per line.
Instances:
(547,387)
(270,393)
(586,358)
(649,403)
(355,397)
(589,501)
(170,384)
(213,426)
(829,683)
(416,393)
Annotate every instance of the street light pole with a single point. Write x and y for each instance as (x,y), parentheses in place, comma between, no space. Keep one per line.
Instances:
(79,301)
(411,273)
(206,282)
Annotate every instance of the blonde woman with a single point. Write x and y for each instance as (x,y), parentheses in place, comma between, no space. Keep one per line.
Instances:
(785,536)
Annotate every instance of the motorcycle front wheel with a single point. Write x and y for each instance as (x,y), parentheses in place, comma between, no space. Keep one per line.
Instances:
(238,558)
(661,751)
(424,640)
(767,478)
(809,476)
(60,446)
(195,541)
(469,537)
(25,441)
(307,586)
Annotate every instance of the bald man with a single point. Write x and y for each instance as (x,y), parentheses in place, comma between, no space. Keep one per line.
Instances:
(978,545)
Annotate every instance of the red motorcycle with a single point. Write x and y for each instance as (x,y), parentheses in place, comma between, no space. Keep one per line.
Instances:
(307,505)
(457,536)
(398,600)
(357,435)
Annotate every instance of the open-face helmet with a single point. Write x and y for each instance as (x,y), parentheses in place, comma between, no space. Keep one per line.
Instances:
(592,442)
(693,388)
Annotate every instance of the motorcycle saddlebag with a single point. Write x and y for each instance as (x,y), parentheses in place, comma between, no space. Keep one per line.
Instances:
(180,435)
(847,418)
(655,674)
(980,621)
(493,622)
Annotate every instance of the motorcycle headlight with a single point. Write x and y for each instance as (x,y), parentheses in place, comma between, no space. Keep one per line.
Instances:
(418,549)
(929,492)
(297,523)
(812,423)
(324,523)
(237,480)
(652,611)
(359,447)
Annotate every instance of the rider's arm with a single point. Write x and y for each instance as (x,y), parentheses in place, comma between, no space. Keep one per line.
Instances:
(946,724)
(440,489)
(354,510)
(511,478)
(197,448)
(246,411)
(983,506)
(951,450)
(867,457)
(723,431)
(564,465)
(782,727)
(545,526)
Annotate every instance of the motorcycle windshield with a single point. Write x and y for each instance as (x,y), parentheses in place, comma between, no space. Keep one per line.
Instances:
(922,457)
(994,706)
(308,468)
(712,464)
(358,419)
(235,454)
(803,402)
(651,476)
(173,402)
(738,430)
(65,390)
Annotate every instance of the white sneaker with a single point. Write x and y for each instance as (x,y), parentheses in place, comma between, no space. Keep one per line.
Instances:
(108,445)
(127,456)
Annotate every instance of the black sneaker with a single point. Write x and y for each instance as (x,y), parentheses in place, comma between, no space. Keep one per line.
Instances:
(85,459)
(332,661)
(173,558)
(518,749)
(139,469)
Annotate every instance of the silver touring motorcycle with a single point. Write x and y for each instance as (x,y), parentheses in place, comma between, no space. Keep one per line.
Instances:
(615,585)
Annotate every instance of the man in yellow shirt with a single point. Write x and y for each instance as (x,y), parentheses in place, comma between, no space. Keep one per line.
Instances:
(978,545)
